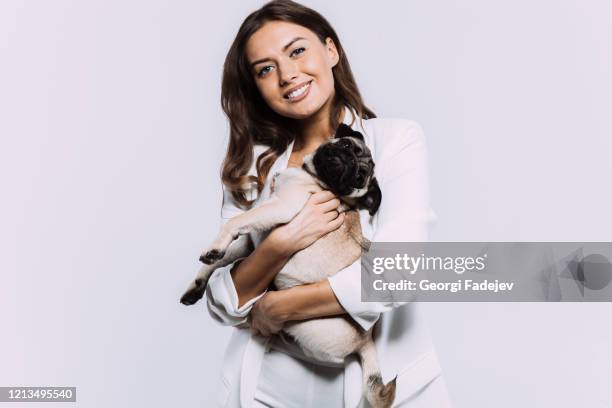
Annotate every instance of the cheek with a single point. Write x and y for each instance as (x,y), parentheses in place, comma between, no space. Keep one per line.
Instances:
(326,82)
(323,73)
(267,91)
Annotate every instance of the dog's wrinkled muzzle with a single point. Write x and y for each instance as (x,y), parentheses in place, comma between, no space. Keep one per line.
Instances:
(336,167)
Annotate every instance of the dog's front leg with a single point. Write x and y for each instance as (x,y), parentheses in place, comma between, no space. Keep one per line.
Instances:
(275,211)
(239,248)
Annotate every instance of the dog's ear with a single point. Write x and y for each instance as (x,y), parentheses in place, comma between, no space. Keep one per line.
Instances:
(346,130)
(371,200)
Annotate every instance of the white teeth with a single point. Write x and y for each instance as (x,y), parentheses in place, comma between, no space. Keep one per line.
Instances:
(298,91)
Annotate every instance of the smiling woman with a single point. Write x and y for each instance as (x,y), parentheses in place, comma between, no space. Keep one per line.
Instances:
(287,86)
(298,71)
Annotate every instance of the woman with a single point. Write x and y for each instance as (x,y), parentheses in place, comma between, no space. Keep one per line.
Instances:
(287,84)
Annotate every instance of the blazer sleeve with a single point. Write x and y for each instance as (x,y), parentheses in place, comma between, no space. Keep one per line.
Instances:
(221,295)
(403,216)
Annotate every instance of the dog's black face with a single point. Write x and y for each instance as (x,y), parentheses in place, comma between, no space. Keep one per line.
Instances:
(345,165)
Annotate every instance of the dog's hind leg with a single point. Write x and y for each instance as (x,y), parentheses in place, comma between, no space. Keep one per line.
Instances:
(378,394)
(239,248)
(271,213)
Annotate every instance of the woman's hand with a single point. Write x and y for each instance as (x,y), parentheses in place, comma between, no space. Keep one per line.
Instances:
(318,217)
(265,318)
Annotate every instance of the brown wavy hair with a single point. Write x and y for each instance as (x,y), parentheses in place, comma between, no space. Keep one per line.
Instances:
(252,120)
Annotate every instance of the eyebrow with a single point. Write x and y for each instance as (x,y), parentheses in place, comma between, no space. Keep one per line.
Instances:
(259,61)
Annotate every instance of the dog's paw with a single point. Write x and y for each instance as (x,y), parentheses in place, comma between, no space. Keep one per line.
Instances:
(212,256)
(194,293)
(378,394)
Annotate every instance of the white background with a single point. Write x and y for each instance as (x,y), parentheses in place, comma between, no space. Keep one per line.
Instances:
(111,142)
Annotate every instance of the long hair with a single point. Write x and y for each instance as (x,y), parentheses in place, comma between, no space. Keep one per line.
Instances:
(252,120)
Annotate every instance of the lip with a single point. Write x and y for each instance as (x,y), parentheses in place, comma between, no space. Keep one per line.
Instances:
(302,96)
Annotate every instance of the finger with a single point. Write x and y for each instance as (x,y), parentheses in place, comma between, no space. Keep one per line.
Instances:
(335,223)
(331,215)
(322,196)
(329,205)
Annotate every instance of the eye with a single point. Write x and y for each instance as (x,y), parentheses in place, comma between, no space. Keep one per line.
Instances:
(361,176)
(345,143)
(263,71)
(298,49)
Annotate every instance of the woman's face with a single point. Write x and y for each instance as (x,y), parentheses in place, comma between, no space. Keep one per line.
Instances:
(292,68)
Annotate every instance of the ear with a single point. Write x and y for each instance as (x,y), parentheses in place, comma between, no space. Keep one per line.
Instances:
(371,200)
(346,130)
(332,51)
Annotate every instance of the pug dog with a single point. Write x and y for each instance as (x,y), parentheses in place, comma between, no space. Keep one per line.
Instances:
(343,165)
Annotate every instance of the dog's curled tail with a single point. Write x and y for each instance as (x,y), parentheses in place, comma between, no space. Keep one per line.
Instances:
(378,394)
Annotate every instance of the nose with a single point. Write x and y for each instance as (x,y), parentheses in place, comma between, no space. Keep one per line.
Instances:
(287,72)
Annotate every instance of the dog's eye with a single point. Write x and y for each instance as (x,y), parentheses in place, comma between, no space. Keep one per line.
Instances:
(361,176)
(345,143)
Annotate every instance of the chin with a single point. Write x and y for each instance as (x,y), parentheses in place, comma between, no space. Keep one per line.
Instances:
(301,112)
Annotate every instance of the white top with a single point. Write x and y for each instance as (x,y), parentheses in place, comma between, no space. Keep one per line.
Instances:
(401,337)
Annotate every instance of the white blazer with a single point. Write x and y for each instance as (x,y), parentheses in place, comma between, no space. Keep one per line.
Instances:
(401,336)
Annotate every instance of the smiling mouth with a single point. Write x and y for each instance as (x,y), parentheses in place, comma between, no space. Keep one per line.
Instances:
(298,92)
